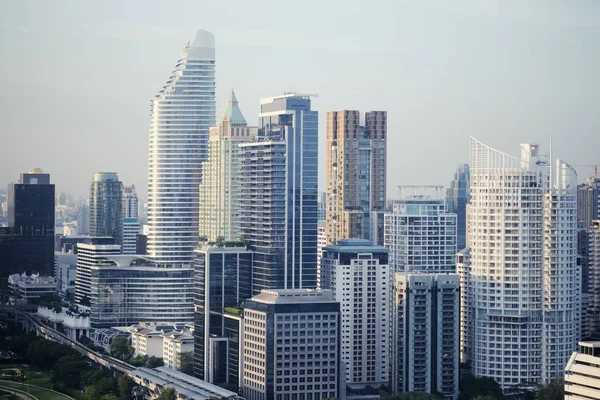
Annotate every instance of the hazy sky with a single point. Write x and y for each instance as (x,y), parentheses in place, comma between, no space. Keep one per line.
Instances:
(76,77)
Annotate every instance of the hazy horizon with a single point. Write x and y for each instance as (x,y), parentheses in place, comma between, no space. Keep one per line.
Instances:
(78,77)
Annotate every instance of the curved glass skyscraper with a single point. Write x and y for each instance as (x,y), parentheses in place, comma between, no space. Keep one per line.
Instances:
(182,113)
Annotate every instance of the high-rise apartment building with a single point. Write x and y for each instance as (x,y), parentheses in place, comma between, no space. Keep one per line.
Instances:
(292,345)
(223,282)
(182,113)
(279,194)
(83,219)
(425,334)
(106,206)
(582,374)
(321,243)
(358,275)
(593,278)
(356,175)
(420,232)
(524,281)
(463,270)
(221,180)
(457,198)
(27,243)
(588,202)
(130,202)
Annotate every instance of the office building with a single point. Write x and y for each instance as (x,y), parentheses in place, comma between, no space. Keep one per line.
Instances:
(457,198)
(356,175)
(176,343)
(279,194)
(425,334)
(420,232)
(127,289)
(322,206)
(220,188)
(106,206)
(582,374)
(358,275)
(26,244)
(182,113)
(524,275)
(292,345)
(91,252)
(223,279)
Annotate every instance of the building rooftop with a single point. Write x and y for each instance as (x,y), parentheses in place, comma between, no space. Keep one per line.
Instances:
(293,296)
(356,246)
(31,280)
(233,113)
(595,344)
(179,336)
(184,384)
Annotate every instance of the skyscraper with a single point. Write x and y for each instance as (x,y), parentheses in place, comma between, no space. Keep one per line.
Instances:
(457,198)
(223,281)
(131,222)
(588,202)
(27,243)
(106,206)
(279,194)
(593,275)
(420,233)
(358,275)
(182,113)
(525,281)
(220,187)
(130,202)
(425,334)
(356,175)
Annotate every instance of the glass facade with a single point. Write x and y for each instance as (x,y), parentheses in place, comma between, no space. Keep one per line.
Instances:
(106,206)
(222,278)
(279,194)
(125,295)
(457,198)
(182,114)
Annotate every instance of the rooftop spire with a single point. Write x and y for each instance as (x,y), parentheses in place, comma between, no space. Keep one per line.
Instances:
(233,113)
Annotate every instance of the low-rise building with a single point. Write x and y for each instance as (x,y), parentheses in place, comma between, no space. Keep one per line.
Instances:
(147,341)
(582,374)
(29,287)
(174,344)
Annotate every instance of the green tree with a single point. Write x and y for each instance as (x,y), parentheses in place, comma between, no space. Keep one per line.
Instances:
(471,387)
(555,390)
(139,360)
(412,396)
(167,394)
(154,362)
(483,397)
(109,397)
(67,370)
(120,348)
(185,362)
(126,385)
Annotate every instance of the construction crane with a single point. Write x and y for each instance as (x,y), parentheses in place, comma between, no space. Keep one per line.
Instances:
(594,166)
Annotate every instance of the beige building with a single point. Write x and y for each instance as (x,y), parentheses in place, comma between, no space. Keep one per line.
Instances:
(219,190)
(174,344)
(146,341)
(356,175)
(582,374)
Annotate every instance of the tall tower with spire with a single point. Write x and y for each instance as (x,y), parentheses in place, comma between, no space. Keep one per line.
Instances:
(220,187)
(182,113)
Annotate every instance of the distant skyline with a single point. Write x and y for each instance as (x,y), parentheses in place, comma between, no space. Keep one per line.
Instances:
(77,77)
